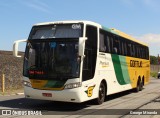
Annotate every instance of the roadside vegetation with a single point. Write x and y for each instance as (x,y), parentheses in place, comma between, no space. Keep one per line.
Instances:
(155,66)
(154,74)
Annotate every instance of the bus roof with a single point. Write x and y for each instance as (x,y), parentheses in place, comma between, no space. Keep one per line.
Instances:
(112,30)
(69,21)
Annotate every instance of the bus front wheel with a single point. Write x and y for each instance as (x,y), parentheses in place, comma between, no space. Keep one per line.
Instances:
(101,93)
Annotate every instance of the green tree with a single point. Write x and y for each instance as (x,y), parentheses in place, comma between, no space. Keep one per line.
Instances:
(153,60)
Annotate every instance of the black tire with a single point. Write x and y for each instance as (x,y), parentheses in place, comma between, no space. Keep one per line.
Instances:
(158,76)
(139,86)
(101,94)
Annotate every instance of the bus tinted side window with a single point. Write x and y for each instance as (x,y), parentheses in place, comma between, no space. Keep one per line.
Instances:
(111,43)
(147,53)
(129,49)
(108,44)
(133,52)
(116,45)
(102,44)
(122,45)
(125,48)
(105,43)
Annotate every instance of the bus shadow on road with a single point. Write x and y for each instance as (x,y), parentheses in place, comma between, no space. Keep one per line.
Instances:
(113,96)
(30,104)
(42,105)
(118,95)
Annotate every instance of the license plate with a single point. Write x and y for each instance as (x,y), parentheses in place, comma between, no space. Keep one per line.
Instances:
(47,94)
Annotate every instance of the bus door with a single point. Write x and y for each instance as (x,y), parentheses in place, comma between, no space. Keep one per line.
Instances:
(89,62)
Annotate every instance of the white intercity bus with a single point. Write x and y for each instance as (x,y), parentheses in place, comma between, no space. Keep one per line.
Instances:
(77,61)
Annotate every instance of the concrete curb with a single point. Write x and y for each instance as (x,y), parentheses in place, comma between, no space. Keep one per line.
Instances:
(13,94)
(19,93)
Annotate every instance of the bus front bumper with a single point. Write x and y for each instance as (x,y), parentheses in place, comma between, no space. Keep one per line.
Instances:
(66,95)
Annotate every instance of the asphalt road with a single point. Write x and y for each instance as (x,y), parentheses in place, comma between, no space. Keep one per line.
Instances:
(129,104)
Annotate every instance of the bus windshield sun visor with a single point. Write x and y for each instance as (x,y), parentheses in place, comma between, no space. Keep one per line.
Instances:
(56,31)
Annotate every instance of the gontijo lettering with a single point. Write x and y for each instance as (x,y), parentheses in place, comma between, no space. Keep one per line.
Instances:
(134,63)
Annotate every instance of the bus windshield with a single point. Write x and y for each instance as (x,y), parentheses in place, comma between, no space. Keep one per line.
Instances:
(52,59)
(56,31)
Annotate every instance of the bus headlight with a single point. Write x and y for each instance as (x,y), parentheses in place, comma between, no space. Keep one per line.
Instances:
(25,83)
(73,85)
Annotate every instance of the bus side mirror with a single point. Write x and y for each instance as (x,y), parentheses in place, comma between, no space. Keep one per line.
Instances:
(15,47)
(82,45)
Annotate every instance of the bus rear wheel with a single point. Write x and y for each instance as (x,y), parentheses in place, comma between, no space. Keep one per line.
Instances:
(139,86)
(101,93)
